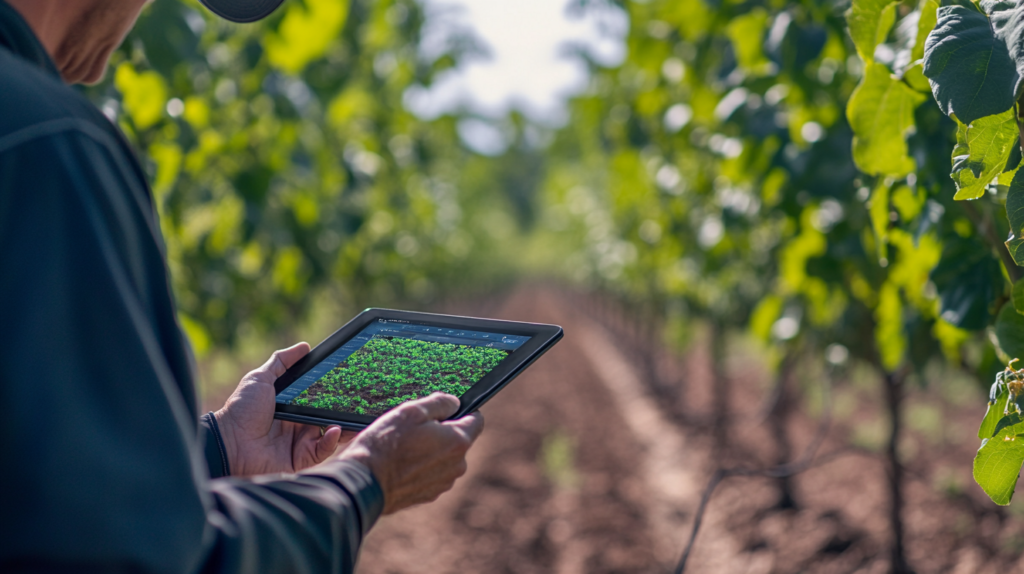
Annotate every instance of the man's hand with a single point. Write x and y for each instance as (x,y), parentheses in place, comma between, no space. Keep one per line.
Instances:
(257,443)
(415,454)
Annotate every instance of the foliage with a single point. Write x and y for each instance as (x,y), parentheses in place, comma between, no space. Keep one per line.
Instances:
(794,179)
(285,165)
(726,187)
(973,59)
(387,372)
(1000,457)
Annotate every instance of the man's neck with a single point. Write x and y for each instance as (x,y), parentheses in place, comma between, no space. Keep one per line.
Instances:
(44,17)
(79,35)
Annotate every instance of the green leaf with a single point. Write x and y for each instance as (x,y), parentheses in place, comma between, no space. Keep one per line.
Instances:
(305,33)
(878,209)
(747,35)
(144,94)
(970,69)
(965,279)
(981,153)
(1007,18)
(1010,331)
(889,337)
(994,415)
(1012,166)
(908,202)
(914,77)
(925,24)
(1018,296)
(1015,245)
(881,113)
(997,464)
(1015,215)
(1007,421)
(870,22)
(764,316)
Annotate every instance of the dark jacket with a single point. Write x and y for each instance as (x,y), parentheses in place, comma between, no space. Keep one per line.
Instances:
(102,461)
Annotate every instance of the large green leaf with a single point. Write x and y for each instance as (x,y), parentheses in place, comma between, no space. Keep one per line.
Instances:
(925,24)
(870,22)
(997,464)
(970,69)
(881,112)
(993,415)
(1010,332)
(981,152)
(1015,214)
(966,279)
(1007,18)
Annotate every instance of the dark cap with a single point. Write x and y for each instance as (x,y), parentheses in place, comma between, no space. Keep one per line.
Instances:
(242,10)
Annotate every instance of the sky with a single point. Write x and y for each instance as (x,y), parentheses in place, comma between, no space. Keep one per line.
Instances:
(526,66)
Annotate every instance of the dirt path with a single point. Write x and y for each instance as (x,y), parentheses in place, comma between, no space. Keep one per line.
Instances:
(556,484)
(581,471)
(633,485)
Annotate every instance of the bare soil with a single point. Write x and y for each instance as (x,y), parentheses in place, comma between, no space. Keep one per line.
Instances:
(585,467)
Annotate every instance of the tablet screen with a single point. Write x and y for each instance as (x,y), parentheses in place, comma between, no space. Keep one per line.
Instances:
(392,361)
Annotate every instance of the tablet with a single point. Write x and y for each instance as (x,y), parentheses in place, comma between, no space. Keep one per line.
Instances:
(383,358)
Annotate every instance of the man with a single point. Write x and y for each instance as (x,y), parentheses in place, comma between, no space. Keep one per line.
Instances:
(102,464)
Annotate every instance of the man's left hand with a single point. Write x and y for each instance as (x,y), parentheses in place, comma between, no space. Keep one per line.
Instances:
(256,442)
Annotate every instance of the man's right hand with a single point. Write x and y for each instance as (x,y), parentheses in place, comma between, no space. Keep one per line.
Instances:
(414,452)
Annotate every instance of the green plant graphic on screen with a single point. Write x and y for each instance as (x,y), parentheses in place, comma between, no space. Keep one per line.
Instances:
(387,372)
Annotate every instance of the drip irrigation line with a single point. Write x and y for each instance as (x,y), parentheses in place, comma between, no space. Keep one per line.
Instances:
(805,462)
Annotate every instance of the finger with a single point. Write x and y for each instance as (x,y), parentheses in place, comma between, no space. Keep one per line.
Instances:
(327,444)
(280,361)
(472,425)
(285,358)
(347,436)
(437,406)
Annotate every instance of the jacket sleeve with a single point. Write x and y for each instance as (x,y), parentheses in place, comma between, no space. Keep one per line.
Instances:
(213,446)
(103,468)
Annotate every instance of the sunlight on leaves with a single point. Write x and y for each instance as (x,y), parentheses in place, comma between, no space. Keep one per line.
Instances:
(305,33)
(145,94)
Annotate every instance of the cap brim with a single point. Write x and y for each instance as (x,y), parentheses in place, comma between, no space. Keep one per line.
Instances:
(242,10)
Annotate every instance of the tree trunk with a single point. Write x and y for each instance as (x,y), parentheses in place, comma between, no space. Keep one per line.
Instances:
(720,385)
(893,383)
(777,422)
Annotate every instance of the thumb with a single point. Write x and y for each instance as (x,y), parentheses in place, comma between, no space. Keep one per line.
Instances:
(471,425)
(279,362)
(436,407)
(327,444)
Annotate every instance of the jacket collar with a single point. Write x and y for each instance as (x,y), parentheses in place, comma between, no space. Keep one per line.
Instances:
(17,37)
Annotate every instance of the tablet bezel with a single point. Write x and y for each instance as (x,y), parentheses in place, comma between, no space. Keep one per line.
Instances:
(542,337)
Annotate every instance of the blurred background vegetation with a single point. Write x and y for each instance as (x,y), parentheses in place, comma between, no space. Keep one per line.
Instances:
(709,174)
(294,187)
